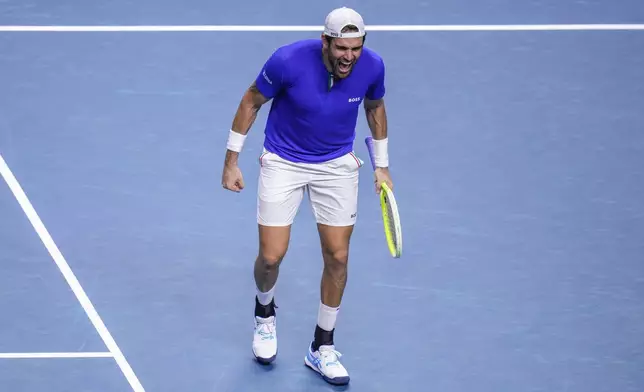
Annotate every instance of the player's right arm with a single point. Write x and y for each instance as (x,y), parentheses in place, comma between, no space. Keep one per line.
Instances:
(267,84)
(250,104)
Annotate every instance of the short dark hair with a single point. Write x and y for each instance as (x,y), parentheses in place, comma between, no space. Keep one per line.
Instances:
(347,29)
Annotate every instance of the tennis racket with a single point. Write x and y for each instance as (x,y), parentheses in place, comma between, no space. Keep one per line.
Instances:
(390,217)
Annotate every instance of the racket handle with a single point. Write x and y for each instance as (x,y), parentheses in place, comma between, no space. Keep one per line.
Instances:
(369,142)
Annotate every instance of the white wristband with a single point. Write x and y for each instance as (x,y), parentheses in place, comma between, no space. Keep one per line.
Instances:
(235,141)
(380,152)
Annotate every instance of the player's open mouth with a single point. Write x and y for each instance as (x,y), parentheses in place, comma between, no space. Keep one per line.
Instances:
(344,66)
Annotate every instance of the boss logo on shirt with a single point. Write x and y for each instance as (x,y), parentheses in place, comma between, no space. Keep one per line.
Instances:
(357,99)
(266,77)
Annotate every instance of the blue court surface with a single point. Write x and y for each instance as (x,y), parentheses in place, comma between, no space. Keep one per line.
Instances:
(518,164)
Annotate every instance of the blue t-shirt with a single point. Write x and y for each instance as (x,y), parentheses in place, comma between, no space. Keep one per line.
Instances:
(308,122)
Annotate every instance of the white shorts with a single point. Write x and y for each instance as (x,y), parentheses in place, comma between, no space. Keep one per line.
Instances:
(332,187)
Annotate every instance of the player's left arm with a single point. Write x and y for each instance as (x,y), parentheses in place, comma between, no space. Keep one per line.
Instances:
(376,117)
(377,121)
(374,106)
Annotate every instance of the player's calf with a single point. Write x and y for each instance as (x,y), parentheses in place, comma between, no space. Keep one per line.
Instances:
(334,279)
(334,273)
(273,243)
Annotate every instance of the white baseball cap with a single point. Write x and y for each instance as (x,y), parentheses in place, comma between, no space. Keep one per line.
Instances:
(340,18)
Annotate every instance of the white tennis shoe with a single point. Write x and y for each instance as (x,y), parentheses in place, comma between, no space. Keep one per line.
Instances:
(326,361)
(265,339)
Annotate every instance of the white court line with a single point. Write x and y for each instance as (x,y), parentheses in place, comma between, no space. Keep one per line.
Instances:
(62,264)
(243,28)
(54,355)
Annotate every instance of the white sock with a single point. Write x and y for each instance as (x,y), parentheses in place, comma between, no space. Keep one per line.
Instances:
(267,297)
(327,317)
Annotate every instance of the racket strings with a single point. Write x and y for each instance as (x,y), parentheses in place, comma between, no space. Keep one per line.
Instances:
(391,226)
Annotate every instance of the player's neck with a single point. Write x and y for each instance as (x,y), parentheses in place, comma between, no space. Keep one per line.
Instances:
(327,64)
(331,77)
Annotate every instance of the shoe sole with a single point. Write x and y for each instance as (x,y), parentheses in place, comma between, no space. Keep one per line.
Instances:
(332,381)
(265,361)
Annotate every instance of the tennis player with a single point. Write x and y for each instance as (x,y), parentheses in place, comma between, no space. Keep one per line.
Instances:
(317,87)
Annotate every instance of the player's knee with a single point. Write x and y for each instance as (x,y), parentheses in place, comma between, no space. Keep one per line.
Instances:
(270,260)
(337,258)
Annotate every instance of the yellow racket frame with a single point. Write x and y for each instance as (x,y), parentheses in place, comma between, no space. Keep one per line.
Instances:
(387,197)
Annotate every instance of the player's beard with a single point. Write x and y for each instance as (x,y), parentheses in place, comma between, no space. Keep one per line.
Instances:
(339,71)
